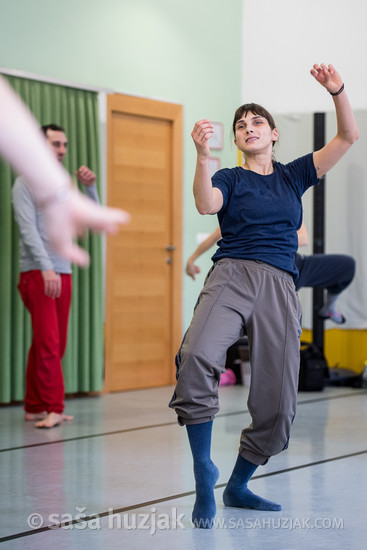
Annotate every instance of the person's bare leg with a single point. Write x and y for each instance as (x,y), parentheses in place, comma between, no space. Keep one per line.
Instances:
(53,419)
(34,416)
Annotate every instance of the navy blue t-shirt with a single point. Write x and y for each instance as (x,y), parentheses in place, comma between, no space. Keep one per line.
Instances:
(261,215)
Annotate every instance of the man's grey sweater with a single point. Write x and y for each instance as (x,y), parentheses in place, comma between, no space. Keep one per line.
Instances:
(35,251)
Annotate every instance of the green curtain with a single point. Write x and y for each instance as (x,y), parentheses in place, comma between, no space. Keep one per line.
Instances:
(77,112)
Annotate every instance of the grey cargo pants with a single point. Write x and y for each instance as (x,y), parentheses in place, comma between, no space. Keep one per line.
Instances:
(238,295)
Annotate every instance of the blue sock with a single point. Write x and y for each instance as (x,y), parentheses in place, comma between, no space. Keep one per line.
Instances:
(237,495)
(206,474)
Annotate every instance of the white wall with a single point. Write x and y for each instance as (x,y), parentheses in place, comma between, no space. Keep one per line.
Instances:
(282,39)
(281,42)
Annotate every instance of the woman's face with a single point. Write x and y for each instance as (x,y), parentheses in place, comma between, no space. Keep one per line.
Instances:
(254,135)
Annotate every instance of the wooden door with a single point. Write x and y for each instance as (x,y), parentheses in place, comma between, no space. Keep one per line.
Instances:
(143,266)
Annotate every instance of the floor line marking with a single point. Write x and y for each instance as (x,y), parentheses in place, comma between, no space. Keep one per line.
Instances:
(171,497)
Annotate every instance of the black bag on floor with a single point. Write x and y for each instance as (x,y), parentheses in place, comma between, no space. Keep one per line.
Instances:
(236,354)
(313,368)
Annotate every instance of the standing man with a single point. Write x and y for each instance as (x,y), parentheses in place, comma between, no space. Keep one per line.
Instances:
(45,287)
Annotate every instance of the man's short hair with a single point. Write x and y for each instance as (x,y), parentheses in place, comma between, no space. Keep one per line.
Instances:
(53,127)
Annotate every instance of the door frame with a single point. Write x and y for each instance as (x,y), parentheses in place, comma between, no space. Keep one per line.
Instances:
(172,113)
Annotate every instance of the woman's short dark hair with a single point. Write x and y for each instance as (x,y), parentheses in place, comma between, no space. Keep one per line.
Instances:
(256,110)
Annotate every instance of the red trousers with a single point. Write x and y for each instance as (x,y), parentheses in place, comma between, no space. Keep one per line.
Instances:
(50,316)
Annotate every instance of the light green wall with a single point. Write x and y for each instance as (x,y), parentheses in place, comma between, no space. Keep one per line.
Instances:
(184,51)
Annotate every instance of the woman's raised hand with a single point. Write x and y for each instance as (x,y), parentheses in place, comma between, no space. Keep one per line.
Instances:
(327,76)
(202,132)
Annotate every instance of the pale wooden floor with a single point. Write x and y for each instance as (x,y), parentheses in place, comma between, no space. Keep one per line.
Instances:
(125,459)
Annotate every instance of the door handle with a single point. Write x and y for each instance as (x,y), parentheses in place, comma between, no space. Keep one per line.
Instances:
(170,247)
